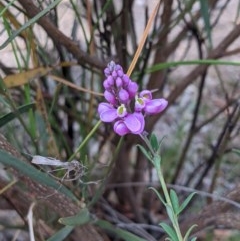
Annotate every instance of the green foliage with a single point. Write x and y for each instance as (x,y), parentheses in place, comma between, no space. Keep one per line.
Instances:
(83,217)
(50,88)
(154,143)
(12,115)
(237,151)
(62,234)
(158,195)
(175,201)
(186,202)
(161,66)
(186,237)
(123,234)
(205,14)
(172,206)
(33,173)
(30,22)
(146,153)
(169,230)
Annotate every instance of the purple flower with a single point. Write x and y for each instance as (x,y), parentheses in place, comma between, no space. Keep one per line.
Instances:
(148,105)
(132,123)
(139,104)
(146,95)
(107,112)
(120,128)
(120,92)
(119,89)
(155,106)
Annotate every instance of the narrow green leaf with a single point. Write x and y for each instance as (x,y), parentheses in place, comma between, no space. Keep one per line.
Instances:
(10,116)
(123,234)
(145,152)
(204,8)
(170,213)
(186,202)
(194,239)
(61,234)
(159,195)
(81,218)
(33,173)
(174,200)
(237,151)
(189,232)
(170,231)
(166,65)
(154,142)
(30,22)
(3,10)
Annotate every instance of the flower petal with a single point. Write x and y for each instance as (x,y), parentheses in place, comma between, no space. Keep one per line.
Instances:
(141,119)
(110,97)
(107,72)
(106,85)
(120,72)
(119,82)
(139,104)
(132,89)
(123,96)
(126,80)
(135,123)
(110,80)
(146,94)
(122,111)
(109,115)
(155,106)
(107,112)
(104,107)
(120,128)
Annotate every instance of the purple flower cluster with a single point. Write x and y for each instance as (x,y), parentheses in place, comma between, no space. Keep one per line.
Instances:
(120,92)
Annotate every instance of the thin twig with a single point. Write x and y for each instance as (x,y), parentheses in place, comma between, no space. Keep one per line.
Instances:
(60,39)
(30,222)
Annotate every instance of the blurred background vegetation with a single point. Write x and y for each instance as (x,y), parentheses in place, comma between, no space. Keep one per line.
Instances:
(53,54)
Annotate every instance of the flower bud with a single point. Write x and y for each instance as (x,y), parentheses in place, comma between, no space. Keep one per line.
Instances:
(110,97)
(107,72)
(111,66)
(114,74)
(120,73)
(126,80)
(110,80)
(123,96)
(132,89)
(118,67)
(119,82)
(106,84)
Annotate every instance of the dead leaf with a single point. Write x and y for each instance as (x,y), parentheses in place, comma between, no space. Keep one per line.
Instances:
(25,77)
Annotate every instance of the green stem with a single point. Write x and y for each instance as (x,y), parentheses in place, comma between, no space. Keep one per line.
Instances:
(167,196)
(85,140)
(157,164)
(147,142)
